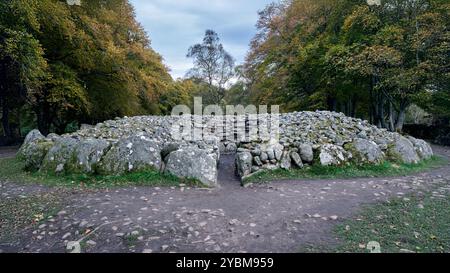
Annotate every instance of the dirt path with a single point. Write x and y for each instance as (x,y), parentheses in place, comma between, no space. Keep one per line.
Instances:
(280,217)
(8,151)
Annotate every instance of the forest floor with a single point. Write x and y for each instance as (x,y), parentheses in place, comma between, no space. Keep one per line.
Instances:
(283,216)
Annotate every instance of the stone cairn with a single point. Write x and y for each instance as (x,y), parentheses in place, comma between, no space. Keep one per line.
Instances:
(141,143)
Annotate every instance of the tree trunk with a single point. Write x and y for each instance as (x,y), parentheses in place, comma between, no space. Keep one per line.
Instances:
(5,119)
(331,103)
(382,111)
(43,120)
(353,106)
(391,117)
(401,116)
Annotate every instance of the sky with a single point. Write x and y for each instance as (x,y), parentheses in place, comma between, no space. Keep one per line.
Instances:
(175,25)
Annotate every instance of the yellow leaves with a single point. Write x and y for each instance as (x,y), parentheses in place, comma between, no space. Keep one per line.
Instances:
(361,21)
(392,36)
(38,217)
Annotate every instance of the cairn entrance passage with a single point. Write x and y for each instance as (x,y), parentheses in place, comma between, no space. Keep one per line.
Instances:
(160,143)
(227,176)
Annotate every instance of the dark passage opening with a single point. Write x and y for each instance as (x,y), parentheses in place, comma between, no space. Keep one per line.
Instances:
(227,171)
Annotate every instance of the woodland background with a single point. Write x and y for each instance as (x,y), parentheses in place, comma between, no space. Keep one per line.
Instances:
(62,65)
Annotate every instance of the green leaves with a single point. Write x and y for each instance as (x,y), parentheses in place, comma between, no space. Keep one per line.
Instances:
(90,62)
(352,57)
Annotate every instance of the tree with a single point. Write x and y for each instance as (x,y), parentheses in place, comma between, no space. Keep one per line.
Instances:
(74,64)
(22,63)
(370,61)
(213,65)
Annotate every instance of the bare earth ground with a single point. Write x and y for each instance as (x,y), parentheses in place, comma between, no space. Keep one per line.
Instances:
(279,217)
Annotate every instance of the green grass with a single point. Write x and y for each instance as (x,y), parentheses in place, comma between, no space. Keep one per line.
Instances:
(386,169)
(11,169)
(420,224)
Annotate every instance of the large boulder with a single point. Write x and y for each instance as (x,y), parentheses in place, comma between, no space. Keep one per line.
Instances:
(87,155)
(365,151)
(33,136)
(422,148)
(296,159)
(278,151)
(333,155)
(58,157)
(193,162)
(285,163)
(132,154)
(244,163)
(33,153)
(231,148)
(402,150)
(306,153)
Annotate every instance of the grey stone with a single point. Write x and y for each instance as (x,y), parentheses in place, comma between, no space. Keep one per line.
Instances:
(133,154)
(59,155)
(53,137)
(278,150)
(244,163)
(401,149)
(270,154)
(86,126)
(285,161)
(296,159)
(256,152)
(231,148)
(365,151)
(300,132)
(33,136)
(33,153)
(87,155)
(264,157)
(192,162)
(332,155)
(257,161)
(306,153)
(422,148)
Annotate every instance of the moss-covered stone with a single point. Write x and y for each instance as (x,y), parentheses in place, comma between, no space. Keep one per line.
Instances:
(33,153)
(60,155)
(365,152)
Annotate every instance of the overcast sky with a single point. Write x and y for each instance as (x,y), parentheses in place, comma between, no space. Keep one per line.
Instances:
(175,25)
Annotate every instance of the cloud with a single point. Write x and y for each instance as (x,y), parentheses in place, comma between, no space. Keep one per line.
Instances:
(175,25)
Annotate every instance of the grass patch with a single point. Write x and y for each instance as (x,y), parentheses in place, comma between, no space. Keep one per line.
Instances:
(11,169)
(421,224)
(386,169)
(19,213)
